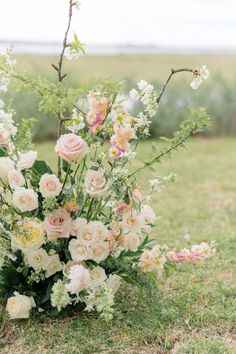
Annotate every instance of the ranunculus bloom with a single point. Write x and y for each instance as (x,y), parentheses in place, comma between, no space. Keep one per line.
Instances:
(15,179)
(58,224)
(79,279)
(95,183)
(19,306)
(25,199)
(27,160)
(49,186)
(6,164)
(71,147)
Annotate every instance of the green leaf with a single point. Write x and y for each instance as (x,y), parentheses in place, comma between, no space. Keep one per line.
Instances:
(41,167)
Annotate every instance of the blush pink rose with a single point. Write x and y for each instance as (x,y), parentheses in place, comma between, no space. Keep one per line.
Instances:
(27,160)
(15,179)
(71,147)
(95,183)
(49,186)
(58,224)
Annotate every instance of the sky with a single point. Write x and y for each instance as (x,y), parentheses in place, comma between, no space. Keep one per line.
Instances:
(204,24)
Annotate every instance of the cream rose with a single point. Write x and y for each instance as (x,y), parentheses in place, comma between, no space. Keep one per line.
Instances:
(131,241)
(71,147)
(78,250)
(76,225)
(49,186)
(25,199)
(15,179)
(97,276)
(100,230)
(95,183)
(86,234)
(19,306)
(29,237)
(27,160)
(6,164)
(99,252)
(52,265)
(58,224)
(36,258)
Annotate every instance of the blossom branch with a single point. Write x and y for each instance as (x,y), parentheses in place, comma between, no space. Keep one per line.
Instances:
(173,72)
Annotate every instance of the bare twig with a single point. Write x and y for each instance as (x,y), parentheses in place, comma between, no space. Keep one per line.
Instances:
(173,72)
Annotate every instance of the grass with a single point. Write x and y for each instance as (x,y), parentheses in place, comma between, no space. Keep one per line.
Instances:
(191,311)
(154,67)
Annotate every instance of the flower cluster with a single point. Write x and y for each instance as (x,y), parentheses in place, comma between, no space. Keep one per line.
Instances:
(74,235)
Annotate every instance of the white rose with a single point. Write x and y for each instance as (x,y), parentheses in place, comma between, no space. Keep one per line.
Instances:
(19,306)
(37,258)
(99,252)
(25,199)
(49,186)
(76,225)
(97,276)
(100,230)
(6,165)
(52,265)
(131,241)
(78,250)
(86,234)
(114,282)
(15,179)
(27,160)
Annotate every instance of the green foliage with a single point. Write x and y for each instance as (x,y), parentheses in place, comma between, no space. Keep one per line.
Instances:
(25,133)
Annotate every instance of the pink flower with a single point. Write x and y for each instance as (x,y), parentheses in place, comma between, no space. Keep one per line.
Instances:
(58,224)
(49,186)
(71,147)
(95,183)
(25,199)
(15,179)
(79,279)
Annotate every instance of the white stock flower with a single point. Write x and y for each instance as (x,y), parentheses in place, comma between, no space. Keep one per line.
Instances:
(27,160)
(19,306)
(25,199)
(59,295)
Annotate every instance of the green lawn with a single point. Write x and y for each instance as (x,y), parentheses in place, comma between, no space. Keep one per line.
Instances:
(194,309)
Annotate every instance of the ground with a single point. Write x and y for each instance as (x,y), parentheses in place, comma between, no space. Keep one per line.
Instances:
(191,311)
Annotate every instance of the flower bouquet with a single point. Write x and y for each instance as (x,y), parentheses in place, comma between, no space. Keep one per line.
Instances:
(72,233)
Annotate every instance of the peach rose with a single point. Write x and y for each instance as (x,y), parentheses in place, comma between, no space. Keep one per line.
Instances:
(49,186)
(25,199)
(95,183)
(15,179)
(71,147)
(27,160)
(58,224)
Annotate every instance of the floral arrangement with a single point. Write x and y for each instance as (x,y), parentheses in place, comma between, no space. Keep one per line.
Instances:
(72,236)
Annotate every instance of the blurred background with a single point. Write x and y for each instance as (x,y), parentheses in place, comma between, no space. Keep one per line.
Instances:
(131,40)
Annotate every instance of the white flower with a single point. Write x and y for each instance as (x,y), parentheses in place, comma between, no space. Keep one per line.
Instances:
(204,72)
(49,186)
(132,221)
(29,237)
(19,306)
(114,282)
(59,295)
(36,258)
(99,252)
(72,53)
(27,160)
(131,241)
(15,179)
(52,265)
(79,279)
(196,83)
(25,199)
(78,250)
(6,164)
(76,225)
(100,231)
(97,275)
(148,214)
(142,85)
(134,95)
(76,122)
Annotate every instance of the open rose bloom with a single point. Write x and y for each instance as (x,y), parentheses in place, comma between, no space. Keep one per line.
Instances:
(77,230)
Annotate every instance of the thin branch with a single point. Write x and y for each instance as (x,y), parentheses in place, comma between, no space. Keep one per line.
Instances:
(173,72)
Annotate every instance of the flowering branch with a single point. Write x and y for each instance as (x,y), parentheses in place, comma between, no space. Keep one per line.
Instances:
(173,72)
